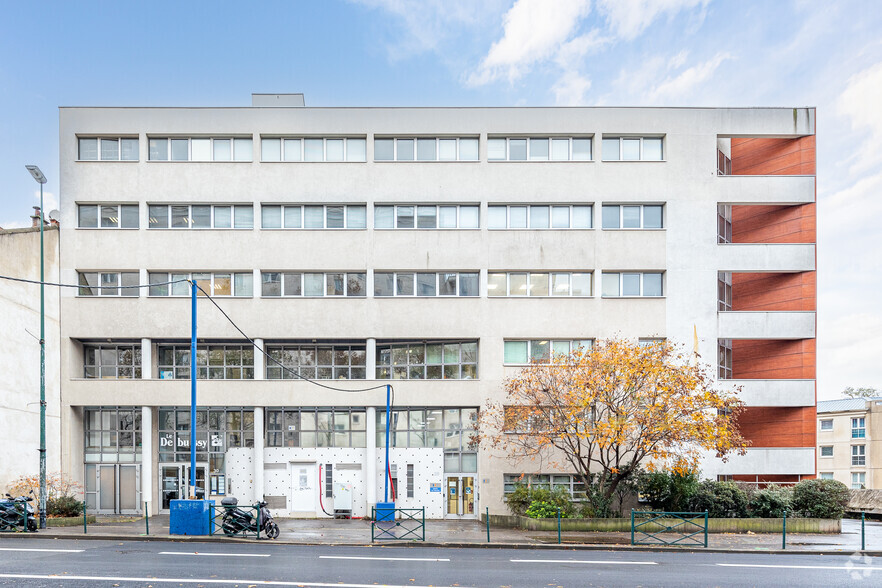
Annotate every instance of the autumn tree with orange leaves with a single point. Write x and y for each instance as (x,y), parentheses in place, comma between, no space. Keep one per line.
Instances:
(607,411)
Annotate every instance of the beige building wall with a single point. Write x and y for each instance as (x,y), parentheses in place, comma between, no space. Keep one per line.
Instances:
(837,431)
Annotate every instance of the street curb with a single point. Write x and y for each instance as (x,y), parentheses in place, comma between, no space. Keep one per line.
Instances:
(445,545)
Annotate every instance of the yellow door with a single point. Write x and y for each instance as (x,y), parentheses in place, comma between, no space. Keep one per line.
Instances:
(453,496)
(468,495)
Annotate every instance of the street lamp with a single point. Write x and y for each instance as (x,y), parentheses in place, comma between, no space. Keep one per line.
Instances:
(41,179)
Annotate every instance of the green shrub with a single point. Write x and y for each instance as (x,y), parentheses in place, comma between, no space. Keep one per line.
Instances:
(822,499)
(669,491)
(539,509)
(523,497)
(64,506)
(719,499)
(770,502)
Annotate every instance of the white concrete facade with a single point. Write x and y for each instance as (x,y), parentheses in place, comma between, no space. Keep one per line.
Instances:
(684,250)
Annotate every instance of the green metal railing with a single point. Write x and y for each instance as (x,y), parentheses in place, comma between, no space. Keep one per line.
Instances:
(668,528)
(408,523)
(219,525)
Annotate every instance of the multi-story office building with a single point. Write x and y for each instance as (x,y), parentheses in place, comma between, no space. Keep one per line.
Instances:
(439,249)
(849,439)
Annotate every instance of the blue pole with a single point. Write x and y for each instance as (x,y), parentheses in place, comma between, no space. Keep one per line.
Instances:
(388,424)
(193,388)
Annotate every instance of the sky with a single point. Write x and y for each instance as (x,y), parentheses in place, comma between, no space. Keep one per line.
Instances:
(485,53)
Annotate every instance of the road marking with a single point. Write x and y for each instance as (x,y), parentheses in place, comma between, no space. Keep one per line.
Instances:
(35,549)
(383,558)
(214,554)
(582,561)
(856,568)
(300,583)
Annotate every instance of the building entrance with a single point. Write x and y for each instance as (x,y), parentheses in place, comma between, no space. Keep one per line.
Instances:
(460,497)
(113,488)
(174,480)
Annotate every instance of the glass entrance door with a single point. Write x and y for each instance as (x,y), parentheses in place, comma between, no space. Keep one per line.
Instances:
(174,479)
(113,488)
(460,496)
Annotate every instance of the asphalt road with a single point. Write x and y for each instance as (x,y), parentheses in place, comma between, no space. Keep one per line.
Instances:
(68,563)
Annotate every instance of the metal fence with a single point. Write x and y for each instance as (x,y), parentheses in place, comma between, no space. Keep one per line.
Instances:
(668,528)
(405,524)
(226,520)
(13,514)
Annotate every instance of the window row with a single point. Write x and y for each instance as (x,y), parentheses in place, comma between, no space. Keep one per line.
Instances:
(570,482)
(426,149)
(213,362)
(425,284)
(107,216)
(108,283)
(436,360)
(632,284)
(452,429)
(629,216)
(316,427)
(112,434)
(201,216)
(539,284)
(312,149)
(322,362)
(200,149)
(117,362)
(107,149)
(541,350)
(561,216)
(217,429)
(239,284)
(315,216)
(633,149)
(426,216)
(539,149)
(313,284)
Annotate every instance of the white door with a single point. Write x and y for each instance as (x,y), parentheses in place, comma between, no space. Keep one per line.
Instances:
(303,487)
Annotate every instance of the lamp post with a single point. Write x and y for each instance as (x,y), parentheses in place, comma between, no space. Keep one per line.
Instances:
(41,179)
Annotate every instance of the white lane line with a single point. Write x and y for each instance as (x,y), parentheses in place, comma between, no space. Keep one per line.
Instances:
(214,554)
(582,561)
(383,558)
(301,583)
(856,568)
(35,549)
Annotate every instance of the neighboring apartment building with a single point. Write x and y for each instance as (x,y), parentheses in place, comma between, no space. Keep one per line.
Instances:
(849,436)
(20,354)
(439,249)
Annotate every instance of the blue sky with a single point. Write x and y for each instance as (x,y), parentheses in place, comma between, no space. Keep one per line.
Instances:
(489,53)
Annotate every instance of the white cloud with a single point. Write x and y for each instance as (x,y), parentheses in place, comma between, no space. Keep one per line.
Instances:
(15,225)
(50,202)
(629,18)
(570,89)
(534,31)
(858,103)
(678,86)
(849,345)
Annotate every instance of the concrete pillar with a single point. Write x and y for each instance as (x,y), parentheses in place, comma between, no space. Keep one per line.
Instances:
(146,359)
(147,457)
(370,457)
(370,362)
(259,361)
(259,437)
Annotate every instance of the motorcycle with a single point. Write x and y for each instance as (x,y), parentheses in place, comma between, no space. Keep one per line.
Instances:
(15,511)
(237,520)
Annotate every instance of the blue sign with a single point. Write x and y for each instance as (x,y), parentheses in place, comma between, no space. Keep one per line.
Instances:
(435,487)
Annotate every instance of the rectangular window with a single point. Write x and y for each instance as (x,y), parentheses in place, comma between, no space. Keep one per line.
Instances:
(436,360)
(724,224)
(312,149)
(426,216)
(199,149)
(107,216)
(826,451)
(858,455)
(633,149)
(213,362)
(200,216)
(316,427)
(542,350)
(112,434)
(107,149)
(217,429)
(338,216)
(570,482)
(724,359)
(826,475)
(724,291)
(858,428)
(558,216)
(233,284)
(632,216)
(539,149)
(329,480)
(426,149)
(449,428)
(410,480)
(427,284)
(827,425)
(288,284)
(329,361)
(858,480)
(108,284)
(632,284)
(540,284)
(112,361)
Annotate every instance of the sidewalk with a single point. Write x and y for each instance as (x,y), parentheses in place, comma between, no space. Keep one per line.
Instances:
(463,533)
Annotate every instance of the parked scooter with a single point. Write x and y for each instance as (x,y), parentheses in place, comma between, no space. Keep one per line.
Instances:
(237,520)
(14,512)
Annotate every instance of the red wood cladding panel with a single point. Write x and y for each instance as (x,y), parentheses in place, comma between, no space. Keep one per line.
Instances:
(774,224)
(754,359)
(774,426)
(759,156)
(769,292)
